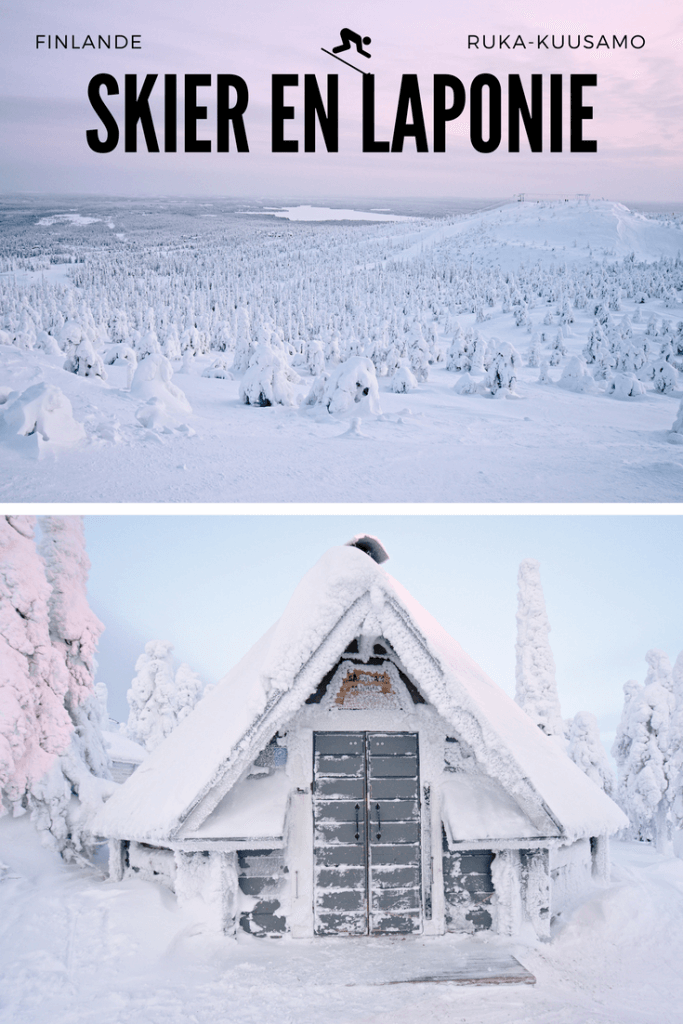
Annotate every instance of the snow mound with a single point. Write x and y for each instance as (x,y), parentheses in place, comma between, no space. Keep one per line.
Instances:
(467,385)
(152,380)
(575,377)
(154,415)
(404,379)
(625,385)
(40,419)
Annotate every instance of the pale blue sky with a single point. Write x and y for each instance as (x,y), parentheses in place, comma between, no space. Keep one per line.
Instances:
(211,585)
(638,106)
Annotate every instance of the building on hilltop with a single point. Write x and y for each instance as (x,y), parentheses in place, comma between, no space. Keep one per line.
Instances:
(357,773)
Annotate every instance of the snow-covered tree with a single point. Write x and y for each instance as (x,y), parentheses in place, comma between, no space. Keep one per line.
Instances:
(587,752)
(35,727)
(158,699)
(536,689)
(83,769)
(85,361)
(502,372)
(403,379)
(575,377)
(244,345)
(269,379)
(52,758)
(642,752)
(676,750)
(352,387)
(74,627)
(533,358)
(625,385)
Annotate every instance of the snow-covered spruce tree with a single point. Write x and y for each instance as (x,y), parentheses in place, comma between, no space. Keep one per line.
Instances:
(34,724)
(74,627)
(502,372)
(83,769)
(418,353)
(536,689)
(587,752)
(244,345)
(269,379)
(157,698)
(533,358)
(403,379)
(676,756)
(352,387)
(575,377)
(625,385)
(641,750)
(676,433)
(84,361)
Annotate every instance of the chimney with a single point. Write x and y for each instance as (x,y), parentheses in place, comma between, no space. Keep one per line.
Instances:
(370,545)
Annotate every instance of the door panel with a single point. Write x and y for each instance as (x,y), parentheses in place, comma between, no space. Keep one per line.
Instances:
(367,833)
(339,818)
(394,823)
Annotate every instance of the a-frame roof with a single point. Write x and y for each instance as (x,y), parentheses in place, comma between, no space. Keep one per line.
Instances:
(345,595)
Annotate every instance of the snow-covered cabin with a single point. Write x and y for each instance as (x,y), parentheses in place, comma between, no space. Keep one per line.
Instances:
(357,773)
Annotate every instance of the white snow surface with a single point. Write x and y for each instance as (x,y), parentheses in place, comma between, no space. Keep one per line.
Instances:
(66,218)
(438,443)
(75,948)
(328,213)
(344,595)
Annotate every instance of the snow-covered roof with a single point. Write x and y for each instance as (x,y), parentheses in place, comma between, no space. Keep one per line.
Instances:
(345,595)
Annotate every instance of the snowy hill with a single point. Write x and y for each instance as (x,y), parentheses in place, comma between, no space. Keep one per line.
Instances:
(576,228)
(252,317)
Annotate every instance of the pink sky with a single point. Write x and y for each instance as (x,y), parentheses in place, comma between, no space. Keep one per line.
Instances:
(638,106)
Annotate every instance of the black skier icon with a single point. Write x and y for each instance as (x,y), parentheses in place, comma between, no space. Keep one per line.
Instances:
(349,40)
(348,37)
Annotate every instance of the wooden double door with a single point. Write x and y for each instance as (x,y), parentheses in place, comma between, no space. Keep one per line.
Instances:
(366,809)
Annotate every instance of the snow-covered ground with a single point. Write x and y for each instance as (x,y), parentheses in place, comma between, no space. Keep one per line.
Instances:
(368,283)
(77,948)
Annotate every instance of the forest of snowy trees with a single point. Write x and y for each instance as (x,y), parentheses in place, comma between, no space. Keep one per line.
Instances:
(276,309)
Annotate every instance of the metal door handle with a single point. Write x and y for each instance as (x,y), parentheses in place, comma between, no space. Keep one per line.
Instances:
(379,822)
(357,824)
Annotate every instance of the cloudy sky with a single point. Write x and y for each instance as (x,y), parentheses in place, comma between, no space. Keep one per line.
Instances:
(638,104)
(212,585)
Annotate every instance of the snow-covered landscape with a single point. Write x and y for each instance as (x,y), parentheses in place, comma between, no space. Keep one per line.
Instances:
(76,948)
(178,350)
